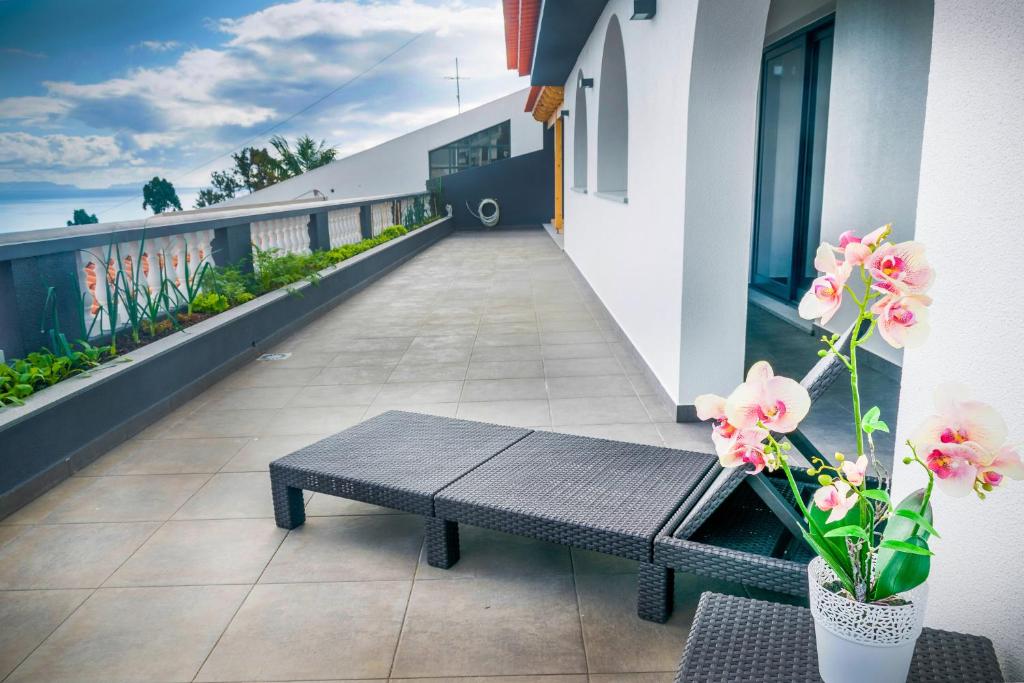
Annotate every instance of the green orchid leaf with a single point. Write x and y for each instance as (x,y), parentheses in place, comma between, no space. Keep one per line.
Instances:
(919,520)
(881,495)
(906,547)
(904,570)
(849,530)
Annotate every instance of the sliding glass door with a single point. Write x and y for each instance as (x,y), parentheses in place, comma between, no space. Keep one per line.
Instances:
(795,78)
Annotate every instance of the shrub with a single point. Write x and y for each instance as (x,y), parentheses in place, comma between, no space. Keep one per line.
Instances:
(24,376)
(210,302)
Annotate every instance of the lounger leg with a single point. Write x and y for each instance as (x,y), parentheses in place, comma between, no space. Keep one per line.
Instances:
(442,542)
(289,510)
(655,589)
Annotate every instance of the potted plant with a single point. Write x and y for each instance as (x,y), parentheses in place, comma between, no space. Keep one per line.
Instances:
(867,585)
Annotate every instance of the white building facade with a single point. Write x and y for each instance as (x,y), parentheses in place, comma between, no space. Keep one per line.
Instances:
(707,151)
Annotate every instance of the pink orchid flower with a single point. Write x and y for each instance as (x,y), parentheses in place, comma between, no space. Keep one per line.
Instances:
(747,449)
(855,471)
(955,466)
(825,296)
(903,320)
(903,265)
(856,250)
(778,403)
(837,497)
(723,434)
(1007,463)
(960,420)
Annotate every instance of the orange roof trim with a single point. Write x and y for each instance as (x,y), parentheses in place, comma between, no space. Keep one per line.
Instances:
(547,102)
(521,18)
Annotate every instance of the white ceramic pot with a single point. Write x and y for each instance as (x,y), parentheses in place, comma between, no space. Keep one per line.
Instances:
(860,642)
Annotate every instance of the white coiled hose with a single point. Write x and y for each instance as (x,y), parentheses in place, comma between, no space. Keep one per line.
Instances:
(488,221)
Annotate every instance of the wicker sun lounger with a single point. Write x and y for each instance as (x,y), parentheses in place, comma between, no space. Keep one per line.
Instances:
(623,499)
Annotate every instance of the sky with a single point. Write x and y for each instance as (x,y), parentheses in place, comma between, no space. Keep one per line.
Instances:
(97,93)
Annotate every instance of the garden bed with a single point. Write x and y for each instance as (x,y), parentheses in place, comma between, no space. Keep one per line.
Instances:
(65,427)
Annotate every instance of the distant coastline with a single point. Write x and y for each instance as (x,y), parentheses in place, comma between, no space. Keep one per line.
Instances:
(34,206)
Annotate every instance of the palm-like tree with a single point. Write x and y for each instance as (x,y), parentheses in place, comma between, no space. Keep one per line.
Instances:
(307,155)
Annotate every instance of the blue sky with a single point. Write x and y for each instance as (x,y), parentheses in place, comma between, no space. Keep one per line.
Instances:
(103,92)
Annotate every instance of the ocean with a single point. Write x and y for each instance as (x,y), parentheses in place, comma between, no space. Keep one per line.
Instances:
(33,214)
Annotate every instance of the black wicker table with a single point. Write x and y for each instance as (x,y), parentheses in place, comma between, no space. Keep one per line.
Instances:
(735,639)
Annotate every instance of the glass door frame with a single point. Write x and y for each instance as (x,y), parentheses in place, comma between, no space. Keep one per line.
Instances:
(808,39)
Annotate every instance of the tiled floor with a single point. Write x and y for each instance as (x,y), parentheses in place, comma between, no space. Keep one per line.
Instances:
(161,561)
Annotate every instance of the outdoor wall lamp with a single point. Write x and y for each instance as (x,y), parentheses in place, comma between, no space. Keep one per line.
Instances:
(644,9)
(582,82)
(564,114)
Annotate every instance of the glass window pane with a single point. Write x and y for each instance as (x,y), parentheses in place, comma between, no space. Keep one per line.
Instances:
(823,81)
(778,175)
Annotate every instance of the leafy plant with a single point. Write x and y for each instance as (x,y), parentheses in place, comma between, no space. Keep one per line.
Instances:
(24,376)
(158,194)
(210,302)
(188,289)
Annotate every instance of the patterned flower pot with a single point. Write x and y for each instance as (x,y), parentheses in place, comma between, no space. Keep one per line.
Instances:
(863,642)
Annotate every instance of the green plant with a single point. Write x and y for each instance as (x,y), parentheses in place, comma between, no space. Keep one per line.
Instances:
(24,376)
(210,302)
(230,282)
(193,282)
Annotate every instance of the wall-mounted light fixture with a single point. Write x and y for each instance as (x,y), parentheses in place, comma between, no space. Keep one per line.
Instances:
(644,9)
(564,114)
(582,82)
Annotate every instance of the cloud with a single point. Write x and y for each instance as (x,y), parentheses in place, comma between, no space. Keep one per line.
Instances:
(18,52)
(33,110)
(156,45)
(61,151)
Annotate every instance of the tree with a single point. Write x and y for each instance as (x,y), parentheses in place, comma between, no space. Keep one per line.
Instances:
(225,185)
(159,195)
(308,154)
(256,168)
(82,217)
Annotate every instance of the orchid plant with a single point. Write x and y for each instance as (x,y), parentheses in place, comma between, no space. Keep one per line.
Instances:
(876,549)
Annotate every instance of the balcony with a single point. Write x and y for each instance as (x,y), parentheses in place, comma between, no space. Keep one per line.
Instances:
(161,561)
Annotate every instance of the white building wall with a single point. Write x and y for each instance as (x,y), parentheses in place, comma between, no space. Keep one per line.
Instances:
(875,125)
(401,165)
(632,254)
(969,211)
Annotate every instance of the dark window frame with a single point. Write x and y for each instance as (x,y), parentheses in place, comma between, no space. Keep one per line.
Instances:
(471,153)
(809,40)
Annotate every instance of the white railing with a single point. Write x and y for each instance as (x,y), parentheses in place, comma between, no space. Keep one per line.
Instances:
(343,226)
(145,265)
(289,235)
(383,216)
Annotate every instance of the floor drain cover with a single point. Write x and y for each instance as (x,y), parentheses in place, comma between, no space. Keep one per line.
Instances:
(274,356)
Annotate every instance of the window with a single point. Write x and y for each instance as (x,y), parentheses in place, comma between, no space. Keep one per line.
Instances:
(579,140)
(612,116)
(795,78)
(478,149)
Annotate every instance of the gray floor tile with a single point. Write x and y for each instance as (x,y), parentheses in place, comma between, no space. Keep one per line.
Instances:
(492,554)
(28,618)
(636,433)
(439,409)
(141,498)
(514,413)
(335,395)
(594,350)
(265,375)
(581,367)
(135,634)
(419,392)
(605,410)
(569,678)
(504,389)
(490,627)
(412,371)
(319,420)
(231,495)
(688,436)
(590,386)
(376,374)
(324,505)
(311,631)
(258,453)
(202,552)
(349,548)
(508,369)
(491,340)
(664,677)
(68,555)
(170,456)
(249,398)
(585,337)
(506,353)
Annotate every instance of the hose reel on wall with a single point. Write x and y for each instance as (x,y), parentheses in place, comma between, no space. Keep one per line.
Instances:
(487,212)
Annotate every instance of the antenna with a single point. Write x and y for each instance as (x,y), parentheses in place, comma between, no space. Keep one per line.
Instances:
(457,78)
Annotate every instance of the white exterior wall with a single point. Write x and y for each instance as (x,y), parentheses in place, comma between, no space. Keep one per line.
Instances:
(633,254)
(401,165)
(875,125)
(969,211)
